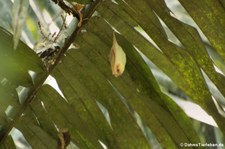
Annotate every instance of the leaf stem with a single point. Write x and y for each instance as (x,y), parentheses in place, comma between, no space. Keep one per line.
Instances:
(34,89)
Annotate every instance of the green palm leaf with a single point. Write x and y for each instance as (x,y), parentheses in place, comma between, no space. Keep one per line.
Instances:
(94,109)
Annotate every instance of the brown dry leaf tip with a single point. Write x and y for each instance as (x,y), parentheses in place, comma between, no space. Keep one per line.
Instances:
(76,46)
(64,138)
(78,8)
(117,58)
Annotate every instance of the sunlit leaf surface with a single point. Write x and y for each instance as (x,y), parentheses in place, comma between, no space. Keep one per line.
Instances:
(167,60)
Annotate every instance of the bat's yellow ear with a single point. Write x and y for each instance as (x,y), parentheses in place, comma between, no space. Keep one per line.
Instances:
(117,58)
